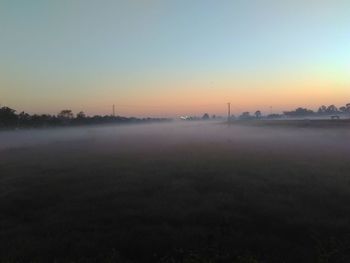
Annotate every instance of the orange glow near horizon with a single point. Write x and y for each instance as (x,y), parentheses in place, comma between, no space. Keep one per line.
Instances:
(172,58)
(189,99)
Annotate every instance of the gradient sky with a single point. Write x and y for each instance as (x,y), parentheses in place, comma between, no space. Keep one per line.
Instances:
(168,58)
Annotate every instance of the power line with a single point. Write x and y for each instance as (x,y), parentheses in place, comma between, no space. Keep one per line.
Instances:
(165,107)
(173,108)
(229,111)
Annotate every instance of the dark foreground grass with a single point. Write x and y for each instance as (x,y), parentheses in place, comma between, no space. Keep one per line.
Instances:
(200,202)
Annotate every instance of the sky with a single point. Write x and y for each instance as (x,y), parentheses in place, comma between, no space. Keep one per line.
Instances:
(163,58)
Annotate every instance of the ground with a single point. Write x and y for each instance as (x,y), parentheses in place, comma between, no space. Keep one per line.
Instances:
(164,194)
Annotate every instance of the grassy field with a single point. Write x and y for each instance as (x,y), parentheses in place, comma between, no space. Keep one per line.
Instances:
(188,194)
(301,123)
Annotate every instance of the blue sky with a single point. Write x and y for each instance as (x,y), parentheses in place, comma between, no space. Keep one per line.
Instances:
(87,54)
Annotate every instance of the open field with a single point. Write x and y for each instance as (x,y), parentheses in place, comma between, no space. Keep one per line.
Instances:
(301,123)
(175,192)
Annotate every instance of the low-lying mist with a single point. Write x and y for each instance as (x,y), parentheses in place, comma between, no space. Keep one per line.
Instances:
(165,136)
(175,192)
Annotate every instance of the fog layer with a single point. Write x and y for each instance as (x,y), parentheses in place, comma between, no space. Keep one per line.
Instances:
(166,136)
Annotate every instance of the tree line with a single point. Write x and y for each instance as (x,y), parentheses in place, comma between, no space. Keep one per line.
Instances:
(301,112)
(323,110)
(10,119)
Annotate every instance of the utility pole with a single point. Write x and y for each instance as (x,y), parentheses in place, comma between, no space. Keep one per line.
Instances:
(229,111)
(113,110)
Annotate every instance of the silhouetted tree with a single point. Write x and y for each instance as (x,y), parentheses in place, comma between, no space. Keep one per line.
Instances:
(299,112)
(245,115)
(343,109)
(8,116)
(258,114)
(24,118)
(81,115)
(66,115)
(332,109)
(205,116)
(322,110)
(347,108)
(274,116)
